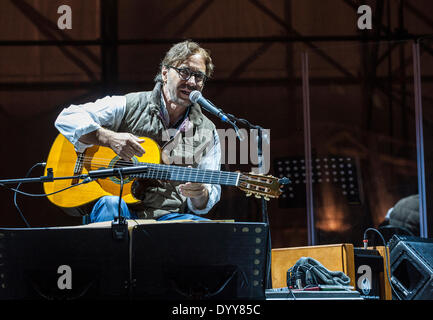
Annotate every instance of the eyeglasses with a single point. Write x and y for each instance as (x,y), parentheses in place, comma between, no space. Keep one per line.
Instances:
(186,73)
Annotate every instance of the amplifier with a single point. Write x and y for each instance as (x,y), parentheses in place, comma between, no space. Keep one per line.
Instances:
(335,257)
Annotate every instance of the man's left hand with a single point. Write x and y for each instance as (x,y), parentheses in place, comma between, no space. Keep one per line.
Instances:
(197,192)
(193,190)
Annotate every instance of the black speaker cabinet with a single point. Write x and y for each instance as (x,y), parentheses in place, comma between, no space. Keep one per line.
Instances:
(63,264)
(188,260)
(196,261)
(412,267)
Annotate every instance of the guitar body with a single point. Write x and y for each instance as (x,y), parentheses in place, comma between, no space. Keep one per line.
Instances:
(66,162)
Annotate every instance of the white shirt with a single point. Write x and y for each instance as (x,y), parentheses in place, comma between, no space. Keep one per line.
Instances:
(108,112)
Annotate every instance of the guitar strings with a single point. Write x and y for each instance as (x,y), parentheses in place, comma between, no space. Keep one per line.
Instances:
(165,168)
(174,172)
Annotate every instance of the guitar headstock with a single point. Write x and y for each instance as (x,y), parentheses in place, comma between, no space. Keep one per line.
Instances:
(261,185)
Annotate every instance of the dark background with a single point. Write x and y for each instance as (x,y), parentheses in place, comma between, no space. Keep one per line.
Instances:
(361,94)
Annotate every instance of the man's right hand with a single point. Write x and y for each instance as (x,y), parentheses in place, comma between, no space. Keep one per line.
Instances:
(125,145)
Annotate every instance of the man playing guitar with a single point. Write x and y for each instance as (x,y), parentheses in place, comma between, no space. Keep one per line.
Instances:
(164,114)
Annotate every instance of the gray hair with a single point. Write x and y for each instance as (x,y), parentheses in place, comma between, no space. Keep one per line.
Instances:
(181,51)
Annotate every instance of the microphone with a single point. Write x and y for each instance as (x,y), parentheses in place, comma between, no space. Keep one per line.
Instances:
(104,173)
(196,97)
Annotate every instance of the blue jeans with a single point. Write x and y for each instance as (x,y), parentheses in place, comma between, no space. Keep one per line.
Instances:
(107,208)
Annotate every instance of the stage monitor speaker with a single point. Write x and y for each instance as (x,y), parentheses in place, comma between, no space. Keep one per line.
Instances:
(199,261)
(63,263)
(412,267)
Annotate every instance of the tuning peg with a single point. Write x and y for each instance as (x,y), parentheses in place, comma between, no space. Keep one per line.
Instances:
(248,194)
(257,196)
(267,198)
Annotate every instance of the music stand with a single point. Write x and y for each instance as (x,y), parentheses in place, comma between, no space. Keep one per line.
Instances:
(199,260)
(32,259)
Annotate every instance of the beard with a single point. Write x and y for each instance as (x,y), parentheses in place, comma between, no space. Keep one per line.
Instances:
(180,95)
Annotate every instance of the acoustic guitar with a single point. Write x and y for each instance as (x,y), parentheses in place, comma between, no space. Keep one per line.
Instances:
(66,162)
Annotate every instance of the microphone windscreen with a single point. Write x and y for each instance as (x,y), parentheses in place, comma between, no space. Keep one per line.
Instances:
(194,96)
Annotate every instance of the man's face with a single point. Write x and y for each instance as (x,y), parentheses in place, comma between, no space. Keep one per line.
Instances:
(177,90)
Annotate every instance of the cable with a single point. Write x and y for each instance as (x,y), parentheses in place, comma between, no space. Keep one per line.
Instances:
(291,292)
(45,194)
(226,282)
(404,229)
(290,281)
(42,164)
(386,257)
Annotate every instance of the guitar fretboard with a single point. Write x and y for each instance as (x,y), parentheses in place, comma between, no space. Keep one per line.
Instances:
(178,173)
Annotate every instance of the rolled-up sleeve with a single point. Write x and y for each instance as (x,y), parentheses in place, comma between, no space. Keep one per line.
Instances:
(78,120)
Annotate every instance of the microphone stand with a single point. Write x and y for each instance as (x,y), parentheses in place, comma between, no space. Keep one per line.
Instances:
(264,208)
(119,224)
(264,205)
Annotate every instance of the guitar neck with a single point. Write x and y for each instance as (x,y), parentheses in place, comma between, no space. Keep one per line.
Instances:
(185,174)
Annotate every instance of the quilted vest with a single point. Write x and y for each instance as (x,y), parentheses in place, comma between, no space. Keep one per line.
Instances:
(182,146)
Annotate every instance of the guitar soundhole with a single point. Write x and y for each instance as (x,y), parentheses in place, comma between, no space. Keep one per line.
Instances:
(118,162)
